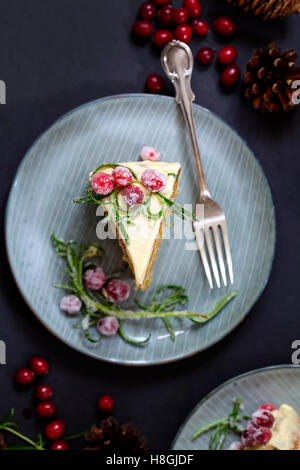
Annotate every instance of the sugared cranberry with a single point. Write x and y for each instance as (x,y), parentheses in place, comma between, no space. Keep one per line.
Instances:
(155,83)
(200,27)
(39,365)
(262,436)
(117,290)
(183,33)
(55,430)
(43,392)
(205,55)
(102,183)
(122,176)
(227,55)
(106,404)
(70,304)
(143,29)
(248,434)
(194,7)
(94,278)
(108,326)
(154,180)
(133,195)
(150,153)
(46,409)
(263,418)
(147,10)
(230,75)
(225,26)
(161,2)
(24,377)
(268,406)
(181,15)
(162,37)
(236,446)
(165,15)
(60,445)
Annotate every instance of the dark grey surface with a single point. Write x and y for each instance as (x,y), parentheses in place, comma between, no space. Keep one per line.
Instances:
(58,54)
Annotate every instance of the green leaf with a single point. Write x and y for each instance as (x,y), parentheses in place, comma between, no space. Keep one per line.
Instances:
(218,307)
(131,340)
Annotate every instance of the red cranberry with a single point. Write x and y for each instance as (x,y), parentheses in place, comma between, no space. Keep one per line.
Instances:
(263,418)
(106,404)
(39,365)
(55,430)
(262,436)
(155,83)
(181,15)
(194,7)
(236,446)
(248,434)
(143,29)
(162,37)
(165,15)
(161,2)
(43,392)
(205,55)
(60,445)
(46,409)
(133,195)
(227,55)
(225,26)
(122,176)
(102,183)
(183,33)
(230,75)
(117,290)
(147,11)
(154,180)
(24,377)
(268,406)
(200,27)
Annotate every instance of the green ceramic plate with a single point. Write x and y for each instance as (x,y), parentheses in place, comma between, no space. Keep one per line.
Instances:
(278,385)
(115,129)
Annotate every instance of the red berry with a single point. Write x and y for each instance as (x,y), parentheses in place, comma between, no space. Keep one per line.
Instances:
(230,75)
(236,446)
(102,183)
(117,290)
(94,278)
(154,180)
(133,195)
(183,33)
(165,15)
(181,15)
(106,404)
(225,26)
(24,377)
(147,11)
(143,29)
(161,2)
(200,27)
(162,37)
(262,436)
(268,406)
(39,365)
(263,418)
(46,409)
(248,434)
(194,7)
(205,55)
(122,176)
(155,83)
(43,392)
(55,430)
(59,445)
(227,55)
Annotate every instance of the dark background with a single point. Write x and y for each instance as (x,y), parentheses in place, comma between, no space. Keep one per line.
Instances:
(58,54)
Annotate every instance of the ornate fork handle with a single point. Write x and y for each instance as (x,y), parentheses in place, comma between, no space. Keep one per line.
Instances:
(177,61)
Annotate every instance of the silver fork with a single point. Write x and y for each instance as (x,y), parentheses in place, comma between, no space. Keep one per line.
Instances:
(177,61)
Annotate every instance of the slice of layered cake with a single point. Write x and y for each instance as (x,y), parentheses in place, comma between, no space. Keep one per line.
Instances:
(137,198)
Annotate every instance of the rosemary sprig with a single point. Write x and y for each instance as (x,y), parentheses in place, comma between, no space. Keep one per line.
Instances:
(223,426)
(7,425)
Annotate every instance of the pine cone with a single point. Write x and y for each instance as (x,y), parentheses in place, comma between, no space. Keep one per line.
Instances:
(2,442)
(269,76)
(268,9)
(111,435)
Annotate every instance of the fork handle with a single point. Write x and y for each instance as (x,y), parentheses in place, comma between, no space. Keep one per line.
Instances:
(177,60)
